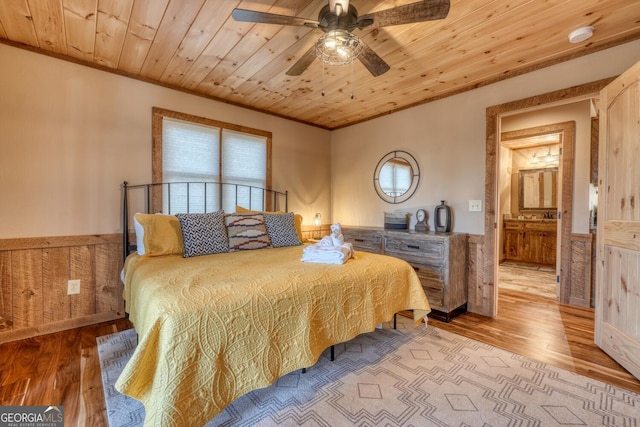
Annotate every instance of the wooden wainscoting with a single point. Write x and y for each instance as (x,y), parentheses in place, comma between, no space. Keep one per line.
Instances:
(34,273)
(581,285)
(315,232)
(476,288)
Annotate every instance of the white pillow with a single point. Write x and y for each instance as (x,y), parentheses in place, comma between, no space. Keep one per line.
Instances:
(139,236)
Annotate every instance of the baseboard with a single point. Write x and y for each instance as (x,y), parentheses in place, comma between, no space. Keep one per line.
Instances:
(49,328)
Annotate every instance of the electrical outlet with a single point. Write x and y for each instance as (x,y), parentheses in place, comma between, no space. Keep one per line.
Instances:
(73,287)
(475,205)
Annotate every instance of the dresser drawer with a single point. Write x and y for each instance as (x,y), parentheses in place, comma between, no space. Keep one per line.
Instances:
(415,250)
(368,242)
(432,280)
(512,225)
(540,226)
(429,275)
(435,297)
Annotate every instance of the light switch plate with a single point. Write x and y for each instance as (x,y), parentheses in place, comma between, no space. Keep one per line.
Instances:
(475,205)
(73,287)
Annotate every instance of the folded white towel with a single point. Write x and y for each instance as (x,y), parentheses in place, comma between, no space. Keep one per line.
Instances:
(324,254)
(330,249)
(331,241)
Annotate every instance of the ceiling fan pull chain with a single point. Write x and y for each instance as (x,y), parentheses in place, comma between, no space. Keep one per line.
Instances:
(323,79)
(351,81)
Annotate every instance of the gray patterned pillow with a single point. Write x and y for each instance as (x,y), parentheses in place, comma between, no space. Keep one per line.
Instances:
(246,231)
(281,229)
(203,233)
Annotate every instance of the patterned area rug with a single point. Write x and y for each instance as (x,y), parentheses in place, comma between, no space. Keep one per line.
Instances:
(406,377)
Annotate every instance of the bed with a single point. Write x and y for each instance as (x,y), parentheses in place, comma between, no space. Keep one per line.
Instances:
(213,327)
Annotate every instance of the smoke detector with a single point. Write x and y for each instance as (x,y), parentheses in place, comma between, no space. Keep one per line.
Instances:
(581,34)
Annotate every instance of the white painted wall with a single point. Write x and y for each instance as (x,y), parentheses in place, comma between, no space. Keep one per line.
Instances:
(448,139)
(70,135)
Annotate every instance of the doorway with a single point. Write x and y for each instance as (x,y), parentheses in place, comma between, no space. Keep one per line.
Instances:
(483,298)
(529,206)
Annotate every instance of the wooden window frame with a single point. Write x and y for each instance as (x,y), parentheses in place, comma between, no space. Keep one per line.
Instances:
(158,114)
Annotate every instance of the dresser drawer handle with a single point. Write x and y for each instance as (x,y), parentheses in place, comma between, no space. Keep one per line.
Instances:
(413,247)
(359,240)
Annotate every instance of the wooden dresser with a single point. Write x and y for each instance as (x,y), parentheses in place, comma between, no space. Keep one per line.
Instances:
(531,241)
(440,259)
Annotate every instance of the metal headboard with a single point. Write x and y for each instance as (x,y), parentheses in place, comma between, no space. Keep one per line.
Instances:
(157,197)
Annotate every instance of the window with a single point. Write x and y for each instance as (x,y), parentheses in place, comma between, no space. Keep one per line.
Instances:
(202,151)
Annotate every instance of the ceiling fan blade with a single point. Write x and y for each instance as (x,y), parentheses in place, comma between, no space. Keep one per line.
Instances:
(372,61)
(271,18)
(302,63)
(426,10)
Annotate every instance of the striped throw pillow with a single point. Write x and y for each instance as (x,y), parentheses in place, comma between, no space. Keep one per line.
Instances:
(246,231)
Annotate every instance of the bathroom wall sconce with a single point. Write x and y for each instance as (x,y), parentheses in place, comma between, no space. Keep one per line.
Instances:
(534,160)
(550,158)
(545,159)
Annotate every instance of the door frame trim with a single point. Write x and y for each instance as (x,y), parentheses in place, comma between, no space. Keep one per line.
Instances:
(487,301)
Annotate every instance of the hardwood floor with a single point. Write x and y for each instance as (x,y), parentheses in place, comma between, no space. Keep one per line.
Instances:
(63,368)
(58,369)
(545,330)
(539,280)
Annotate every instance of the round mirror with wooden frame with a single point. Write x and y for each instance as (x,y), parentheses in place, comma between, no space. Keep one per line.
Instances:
(396,177)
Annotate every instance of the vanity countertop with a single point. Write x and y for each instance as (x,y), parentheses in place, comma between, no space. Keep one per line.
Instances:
(533,219)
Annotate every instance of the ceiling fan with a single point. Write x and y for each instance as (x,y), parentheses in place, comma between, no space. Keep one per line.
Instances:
(337,20)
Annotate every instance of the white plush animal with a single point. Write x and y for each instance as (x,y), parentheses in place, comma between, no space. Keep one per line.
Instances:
(336,234)
(335,238)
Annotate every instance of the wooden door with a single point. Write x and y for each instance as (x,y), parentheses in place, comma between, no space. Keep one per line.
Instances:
(618,258)
(549,243)
(534,239)
(512,244)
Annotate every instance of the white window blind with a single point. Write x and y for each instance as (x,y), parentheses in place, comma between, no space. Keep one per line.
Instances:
(395,178)
(244,162)
(199,153)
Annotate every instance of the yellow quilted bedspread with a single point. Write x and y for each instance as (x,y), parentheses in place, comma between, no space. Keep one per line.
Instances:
(212,328)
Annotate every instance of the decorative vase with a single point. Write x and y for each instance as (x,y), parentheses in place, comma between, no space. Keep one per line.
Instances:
(442,218)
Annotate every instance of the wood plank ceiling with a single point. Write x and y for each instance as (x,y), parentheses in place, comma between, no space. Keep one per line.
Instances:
(196,46)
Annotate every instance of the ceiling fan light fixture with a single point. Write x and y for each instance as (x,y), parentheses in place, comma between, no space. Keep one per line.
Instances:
(330,43)
(338,47)
(581,34)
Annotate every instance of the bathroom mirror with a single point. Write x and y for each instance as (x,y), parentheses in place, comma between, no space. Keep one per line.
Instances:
(396,177)
(538,189)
